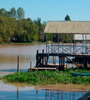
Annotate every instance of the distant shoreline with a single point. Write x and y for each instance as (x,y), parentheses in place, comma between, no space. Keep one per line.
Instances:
(22,43)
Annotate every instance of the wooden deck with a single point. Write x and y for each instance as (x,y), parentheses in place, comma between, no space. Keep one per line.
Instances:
(62,54)
(42,60)
(42,68)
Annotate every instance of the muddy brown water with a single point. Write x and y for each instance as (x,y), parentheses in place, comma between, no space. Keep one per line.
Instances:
(9,53)
(26,53)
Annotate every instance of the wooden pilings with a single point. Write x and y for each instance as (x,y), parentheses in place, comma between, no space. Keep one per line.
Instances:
(85,62)
(18,70)
(61,62)
(41,59)
(30,66)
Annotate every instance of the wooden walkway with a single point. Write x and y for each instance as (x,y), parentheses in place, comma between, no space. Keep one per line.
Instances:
(42,68)
(42,59)
(63,54)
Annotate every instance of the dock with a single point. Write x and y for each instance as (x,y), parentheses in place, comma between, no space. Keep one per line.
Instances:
(43,68)
(78,46)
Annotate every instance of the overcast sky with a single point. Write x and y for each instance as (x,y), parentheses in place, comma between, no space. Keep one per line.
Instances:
(51,9)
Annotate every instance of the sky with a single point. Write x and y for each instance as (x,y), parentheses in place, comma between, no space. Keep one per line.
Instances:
(51,10)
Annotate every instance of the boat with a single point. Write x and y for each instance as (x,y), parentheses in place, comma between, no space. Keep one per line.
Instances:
(80,74)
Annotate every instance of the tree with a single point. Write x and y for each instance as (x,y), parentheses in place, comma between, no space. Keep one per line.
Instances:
(67,18)
(20,13)
(13,13)
(67,37)
(40,29)
(15,28)
(6,28)
(4,12)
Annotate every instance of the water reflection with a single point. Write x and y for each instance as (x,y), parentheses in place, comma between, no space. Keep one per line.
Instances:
(10,92)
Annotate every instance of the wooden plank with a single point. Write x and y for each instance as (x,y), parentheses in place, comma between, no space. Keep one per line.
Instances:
(43,68)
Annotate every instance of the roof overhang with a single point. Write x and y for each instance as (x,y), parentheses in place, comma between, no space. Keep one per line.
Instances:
(68,27)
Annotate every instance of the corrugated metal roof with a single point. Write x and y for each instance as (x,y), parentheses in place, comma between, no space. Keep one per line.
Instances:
(67,27)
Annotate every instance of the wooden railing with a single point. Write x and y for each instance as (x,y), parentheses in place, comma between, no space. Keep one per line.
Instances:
(70,48)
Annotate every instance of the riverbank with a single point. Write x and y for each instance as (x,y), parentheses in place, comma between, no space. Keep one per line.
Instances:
(48,77)
(55,87)
(65,87)
(22,43)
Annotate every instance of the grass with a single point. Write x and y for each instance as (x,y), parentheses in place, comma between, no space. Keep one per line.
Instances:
(48,77)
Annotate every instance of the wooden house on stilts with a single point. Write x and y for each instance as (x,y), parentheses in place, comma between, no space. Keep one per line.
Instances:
(79,45)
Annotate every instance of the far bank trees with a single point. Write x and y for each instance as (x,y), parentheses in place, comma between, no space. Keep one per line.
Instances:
(15,28)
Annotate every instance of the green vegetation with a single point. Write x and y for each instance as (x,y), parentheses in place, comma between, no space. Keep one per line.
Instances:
(48,77)
(67,18)
(15,28)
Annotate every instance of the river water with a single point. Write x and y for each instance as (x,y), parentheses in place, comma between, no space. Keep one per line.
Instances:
(27,53)
(9,53)
(11,92)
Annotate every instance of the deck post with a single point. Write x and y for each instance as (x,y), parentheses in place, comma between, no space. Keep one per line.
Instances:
(70,43)
(46,43)
(18,64)
(62,43)
(30,66)
(85,62)
(58,42)
(63,59)
(37,59)
(46,61)
(85,44)
(54,60)
(73,45)
(61,62)
(42,57)
(51,42)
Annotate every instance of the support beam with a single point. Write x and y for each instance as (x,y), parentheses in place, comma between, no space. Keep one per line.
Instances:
(61,62)
(37,59)
(70,43)
(46,43)
(85,62)
(83,44)
(73,45)
(51,43)
(18,69)
(62,42)
(58,42)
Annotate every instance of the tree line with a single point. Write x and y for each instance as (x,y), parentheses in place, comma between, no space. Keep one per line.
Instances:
(14,27)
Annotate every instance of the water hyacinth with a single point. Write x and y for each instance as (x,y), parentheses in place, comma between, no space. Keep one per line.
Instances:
(49,77)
